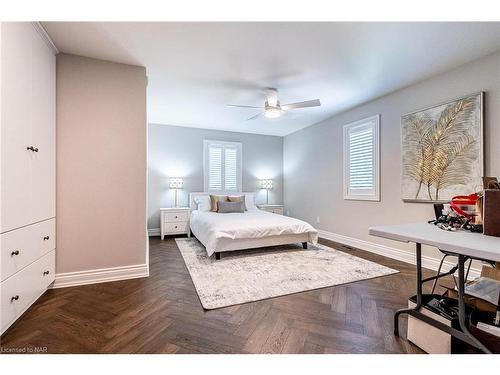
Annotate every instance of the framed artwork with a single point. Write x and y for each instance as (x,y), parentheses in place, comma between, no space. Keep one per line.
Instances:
(442,150)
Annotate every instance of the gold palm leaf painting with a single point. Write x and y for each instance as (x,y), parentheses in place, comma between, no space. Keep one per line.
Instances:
(442,150)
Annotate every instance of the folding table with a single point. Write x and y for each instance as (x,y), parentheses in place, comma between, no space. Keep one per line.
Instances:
(464,245)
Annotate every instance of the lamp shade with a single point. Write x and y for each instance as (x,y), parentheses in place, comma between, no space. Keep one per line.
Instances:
(175,183)
(266,184)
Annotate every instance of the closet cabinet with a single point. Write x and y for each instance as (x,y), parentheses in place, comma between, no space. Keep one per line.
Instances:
(43,132)
(28,167)
(28,126)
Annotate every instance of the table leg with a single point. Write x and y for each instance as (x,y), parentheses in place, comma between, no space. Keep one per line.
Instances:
(461,305)
(419,290)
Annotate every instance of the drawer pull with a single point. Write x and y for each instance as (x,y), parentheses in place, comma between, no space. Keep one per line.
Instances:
(15,253)
(176,227)
(176,216)
(31,148)
(45,273)
(46,238)
(15,298)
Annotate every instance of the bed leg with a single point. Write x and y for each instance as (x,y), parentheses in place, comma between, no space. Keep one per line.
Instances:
(304,245)
(217,256)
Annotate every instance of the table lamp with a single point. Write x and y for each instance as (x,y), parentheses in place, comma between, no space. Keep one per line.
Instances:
(176,183)
(267,185)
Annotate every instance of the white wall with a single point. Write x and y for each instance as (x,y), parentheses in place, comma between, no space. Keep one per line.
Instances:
(313,156)
(178,151)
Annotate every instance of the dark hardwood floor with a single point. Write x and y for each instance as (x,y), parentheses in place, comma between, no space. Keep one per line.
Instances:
(162,314)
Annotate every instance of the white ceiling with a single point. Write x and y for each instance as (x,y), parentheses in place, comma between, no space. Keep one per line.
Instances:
(195,69)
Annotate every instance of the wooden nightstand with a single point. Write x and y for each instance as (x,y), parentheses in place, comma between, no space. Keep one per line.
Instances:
(175,220)
(273,208)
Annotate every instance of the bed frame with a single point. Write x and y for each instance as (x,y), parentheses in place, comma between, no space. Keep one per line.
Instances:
(227,244)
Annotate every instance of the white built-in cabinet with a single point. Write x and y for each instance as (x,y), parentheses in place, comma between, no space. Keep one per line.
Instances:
(28,120)
(28,166)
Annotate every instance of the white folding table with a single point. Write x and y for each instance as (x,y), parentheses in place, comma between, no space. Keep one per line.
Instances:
(464,244)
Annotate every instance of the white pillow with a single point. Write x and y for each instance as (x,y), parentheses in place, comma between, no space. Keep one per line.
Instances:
(250,201)
(203,203)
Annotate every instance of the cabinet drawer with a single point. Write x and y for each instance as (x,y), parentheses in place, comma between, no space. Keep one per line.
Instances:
(22,289)
(22,246)
(180,227)
(273,210)
(172,217)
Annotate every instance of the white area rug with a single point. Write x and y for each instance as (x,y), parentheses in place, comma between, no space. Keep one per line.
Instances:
(252,275)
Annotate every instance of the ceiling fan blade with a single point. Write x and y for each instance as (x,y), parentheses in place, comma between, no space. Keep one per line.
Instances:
(307,103)
(254,117)
(272,97)
(243,106)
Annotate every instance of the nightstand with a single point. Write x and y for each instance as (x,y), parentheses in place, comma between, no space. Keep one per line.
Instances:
(175,220)
(273,208)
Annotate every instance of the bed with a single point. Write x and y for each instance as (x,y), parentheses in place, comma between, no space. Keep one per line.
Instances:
(221,232)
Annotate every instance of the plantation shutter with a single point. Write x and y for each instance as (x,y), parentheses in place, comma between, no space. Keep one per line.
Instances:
(215,167)
(222,166)
(361,160)
(230,169)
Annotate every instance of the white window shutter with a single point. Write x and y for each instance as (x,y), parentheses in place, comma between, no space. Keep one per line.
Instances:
(361,159)
(214,167)
(222,166)
(230,169)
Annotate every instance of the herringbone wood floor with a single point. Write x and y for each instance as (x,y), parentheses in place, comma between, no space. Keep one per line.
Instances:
(162,314)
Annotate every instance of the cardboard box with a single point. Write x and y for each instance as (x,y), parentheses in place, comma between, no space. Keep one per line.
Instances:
(491,212)
(477,303)
(490,272)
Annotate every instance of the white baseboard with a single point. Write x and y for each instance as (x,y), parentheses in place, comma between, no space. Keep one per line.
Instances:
(392,252)
(154,232)
(103,275)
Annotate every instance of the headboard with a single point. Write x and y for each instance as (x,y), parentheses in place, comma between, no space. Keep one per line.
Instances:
(192,196)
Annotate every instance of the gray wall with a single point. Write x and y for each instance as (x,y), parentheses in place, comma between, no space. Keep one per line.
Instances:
(178,151)
(313,156)
(101,164)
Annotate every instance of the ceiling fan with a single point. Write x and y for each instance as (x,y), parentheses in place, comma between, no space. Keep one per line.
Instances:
(272,107)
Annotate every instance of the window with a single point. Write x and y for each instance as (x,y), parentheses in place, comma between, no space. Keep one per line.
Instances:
(361,159)
(222,166)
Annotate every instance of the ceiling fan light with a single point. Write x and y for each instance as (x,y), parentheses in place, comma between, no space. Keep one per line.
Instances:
(272,112)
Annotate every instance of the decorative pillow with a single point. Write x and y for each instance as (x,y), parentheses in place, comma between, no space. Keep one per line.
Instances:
(203,203)
(214,201)
(228,207)
(250,202)
(237,198)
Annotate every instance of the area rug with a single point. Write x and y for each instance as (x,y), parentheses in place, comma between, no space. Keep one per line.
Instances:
(252,275)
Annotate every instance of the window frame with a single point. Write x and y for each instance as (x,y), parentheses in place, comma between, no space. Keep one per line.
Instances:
(239,163)
(374,194)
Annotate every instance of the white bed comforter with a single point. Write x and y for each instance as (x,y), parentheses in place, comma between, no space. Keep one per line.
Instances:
(209,227)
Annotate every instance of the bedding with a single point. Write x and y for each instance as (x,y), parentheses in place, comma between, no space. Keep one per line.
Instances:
(215,199)
(203,203)
(250,202)
(237,198)
(211,227)
(231,207)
